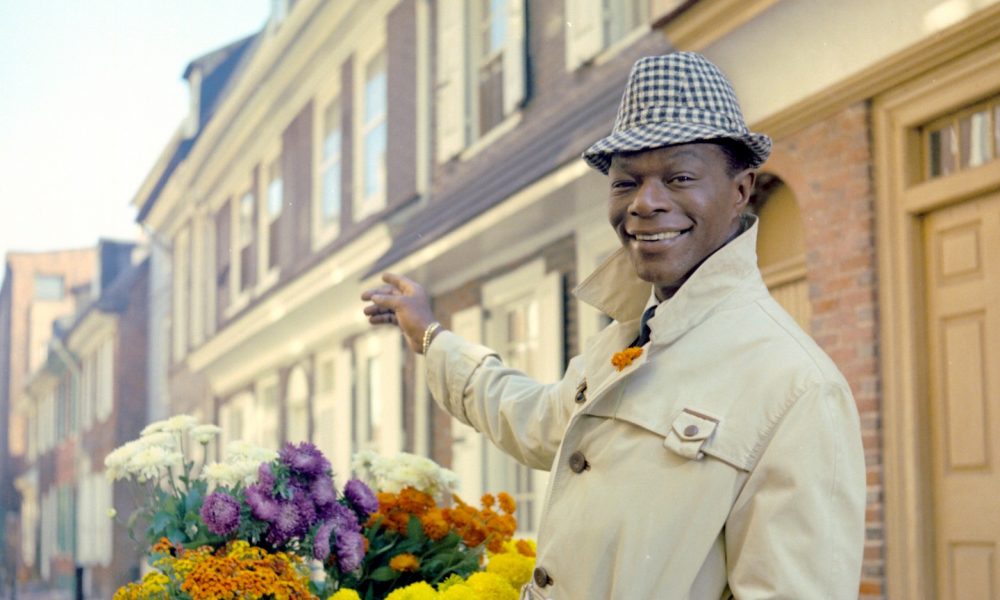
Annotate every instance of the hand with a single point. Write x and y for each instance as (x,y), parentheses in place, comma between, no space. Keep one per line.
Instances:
(403,302)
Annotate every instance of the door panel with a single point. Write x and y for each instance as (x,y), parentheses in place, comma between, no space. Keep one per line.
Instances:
(962,252)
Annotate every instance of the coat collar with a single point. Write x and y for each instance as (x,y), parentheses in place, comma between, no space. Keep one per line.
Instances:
(615,289)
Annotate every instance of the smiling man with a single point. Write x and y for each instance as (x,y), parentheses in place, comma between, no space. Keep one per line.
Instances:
(702,447)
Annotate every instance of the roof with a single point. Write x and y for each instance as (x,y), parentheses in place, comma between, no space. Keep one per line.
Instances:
(526,159)
(219,70)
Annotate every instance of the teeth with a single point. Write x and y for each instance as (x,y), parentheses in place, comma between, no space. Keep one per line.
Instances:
(653,237)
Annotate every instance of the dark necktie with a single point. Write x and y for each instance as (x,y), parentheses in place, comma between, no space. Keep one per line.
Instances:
(644,327)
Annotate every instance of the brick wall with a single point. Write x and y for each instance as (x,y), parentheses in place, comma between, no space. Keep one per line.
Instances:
(828,167)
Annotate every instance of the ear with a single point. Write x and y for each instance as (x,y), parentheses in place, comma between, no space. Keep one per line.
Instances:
(743,188)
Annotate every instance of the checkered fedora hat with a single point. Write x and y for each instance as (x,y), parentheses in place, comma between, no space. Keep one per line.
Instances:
(676,98)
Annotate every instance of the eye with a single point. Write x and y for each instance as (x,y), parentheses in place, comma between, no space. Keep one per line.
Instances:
(622,184)
(680,178)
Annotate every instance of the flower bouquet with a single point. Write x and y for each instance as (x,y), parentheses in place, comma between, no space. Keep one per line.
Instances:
(265,524)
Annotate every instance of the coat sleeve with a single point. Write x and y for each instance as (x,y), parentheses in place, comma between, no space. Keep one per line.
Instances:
(796,530)
(523,417)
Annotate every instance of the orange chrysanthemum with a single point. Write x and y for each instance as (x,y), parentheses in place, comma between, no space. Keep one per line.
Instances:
(434,524)
(622,359)
(525,548)
(404,563)
(507,503)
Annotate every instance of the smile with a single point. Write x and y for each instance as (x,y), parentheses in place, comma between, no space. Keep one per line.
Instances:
(655,237)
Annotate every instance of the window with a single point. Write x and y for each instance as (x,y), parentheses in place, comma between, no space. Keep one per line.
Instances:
(595,25)
(524,326)
(330,171)
(223,259)
(378,414)
(274,204)
(104,376)
(481,70)
(297,416)
(235,419)
(332,413)
(265,417)
(245,226)
(962,140)
(372,138)
(93,527)
(49,288)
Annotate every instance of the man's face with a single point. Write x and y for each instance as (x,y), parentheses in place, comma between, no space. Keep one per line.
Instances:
(672,207)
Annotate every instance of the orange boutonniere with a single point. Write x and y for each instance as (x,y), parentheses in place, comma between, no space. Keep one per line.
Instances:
(622,359)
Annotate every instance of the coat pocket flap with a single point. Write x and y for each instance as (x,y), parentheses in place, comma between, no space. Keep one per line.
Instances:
(690,432)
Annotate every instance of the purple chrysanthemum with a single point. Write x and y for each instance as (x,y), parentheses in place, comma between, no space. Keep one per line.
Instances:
(305,509)
(361,497)
(221,513)
(350,550)
(288,522)
(304,459)
(321,542)
(344,519)
(262,505)
(265,476)
(322,491)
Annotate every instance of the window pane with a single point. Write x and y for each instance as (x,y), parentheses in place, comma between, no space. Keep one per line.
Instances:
(375,161)
(49,287)
(974,132)
(331,193)
(375,89)
(497,26)
(246,219)
(331,130)
(275,192)
(942,151)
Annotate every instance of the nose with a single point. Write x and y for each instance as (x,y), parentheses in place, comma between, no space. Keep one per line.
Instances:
(651,197)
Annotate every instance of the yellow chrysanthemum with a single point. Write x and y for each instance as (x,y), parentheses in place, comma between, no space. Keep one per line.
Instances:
(513,566)
(416,591)
(450,581)
(345,594)
(490,586)
(460,591)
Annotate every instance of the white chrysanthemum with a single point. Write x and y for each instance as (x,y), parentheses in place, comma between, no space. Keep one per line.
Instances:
(179,423)
(203,434)
(149,462)
(154,427)
(116,461)
(160,438)
(405,470)
(218,473)
(239,450)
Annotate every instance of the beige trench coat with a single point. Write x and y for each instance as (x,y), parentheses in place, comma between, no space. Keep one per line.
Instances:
(726,461)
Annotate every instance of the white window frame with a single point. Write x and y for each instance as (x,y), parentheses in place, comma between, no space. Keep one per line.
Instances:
(470,451)
(266,419)
(267,275)
(457,90)
(297,403)
(196,294)
(587,36)
(331,410)
(239,297)
(363,206)
(105,379)
(381,350)
(324,232)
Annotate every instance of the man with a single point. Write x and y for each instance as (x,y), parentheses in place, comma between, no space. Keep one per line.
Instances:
(702,446)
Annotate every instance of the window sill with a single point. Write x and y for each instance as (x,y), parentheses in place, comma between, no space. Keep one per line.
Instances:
(605,56)
(267,282)
(238,304)
(504,127)
(322,237)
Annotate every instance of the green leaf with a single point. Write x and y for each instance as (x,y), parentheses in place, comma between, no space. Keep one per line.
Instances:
(414,530)
(160,522)
(384,574)
(193,500)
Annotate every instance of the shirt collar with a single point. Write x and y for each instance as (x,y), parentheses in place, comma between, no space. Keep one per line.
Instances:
(615,289)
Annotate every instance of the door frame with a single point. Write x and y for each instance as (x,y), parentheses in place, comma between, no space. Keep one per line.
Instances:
(901,201)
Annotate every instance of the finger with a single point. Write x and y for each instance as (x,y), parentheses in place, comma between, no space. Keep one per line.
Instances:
(382,289)
(383,319)
(374,309)
(387,301)
(404,284)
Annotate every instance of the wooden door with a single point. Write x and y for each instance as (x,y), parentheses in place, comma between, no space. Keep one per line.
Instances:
(962,253)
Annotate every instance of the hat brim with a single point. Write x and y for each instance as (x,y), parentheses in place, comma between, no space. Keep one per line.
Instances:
(658,135)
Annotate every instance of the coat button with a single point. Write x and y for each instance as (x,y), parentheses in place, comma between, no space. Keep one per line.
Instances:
(578,462)
(691,430)
(541,577)
(581,393)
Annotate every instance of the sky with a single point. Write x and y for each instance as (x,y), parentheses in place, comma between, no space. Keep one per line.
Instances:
(91,91)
